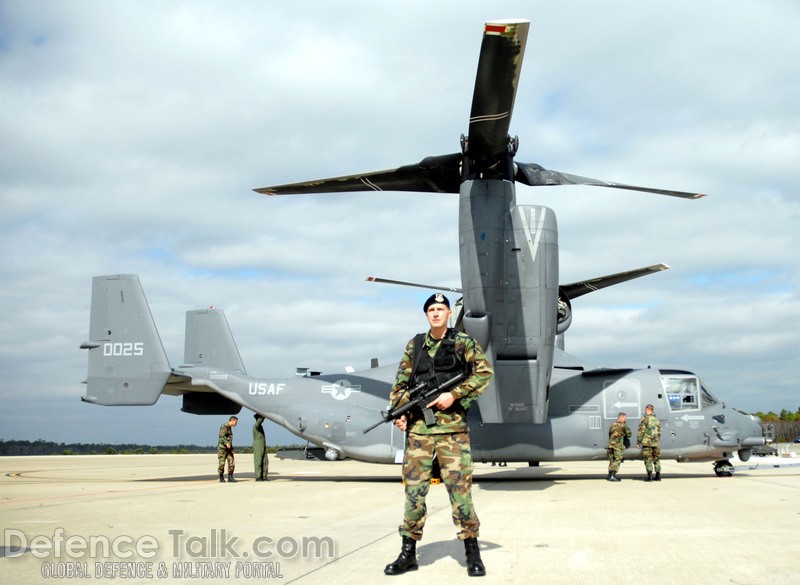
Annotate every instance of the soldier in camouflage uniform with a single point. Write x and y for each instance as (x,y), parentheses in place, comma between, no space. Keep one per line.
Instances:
(225,450)
(442,354)
(649,439)
(617,436)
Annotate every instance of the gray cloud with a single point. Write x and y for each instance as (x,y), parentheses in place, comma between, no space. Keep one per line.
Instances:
(134,134)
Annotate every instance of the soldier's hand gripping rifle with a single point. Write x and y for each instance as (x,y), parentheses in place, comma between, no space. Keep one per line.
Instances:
(420,396)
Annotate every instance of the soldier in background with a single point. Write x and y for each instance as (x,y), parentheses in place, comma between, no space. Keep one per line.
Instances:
(649,440)
(225,450)
(260,457)
(619,438)
(439,353)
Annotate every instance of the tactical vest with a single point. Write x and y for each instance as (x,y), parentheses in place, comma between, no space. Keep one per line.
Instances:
(444,364)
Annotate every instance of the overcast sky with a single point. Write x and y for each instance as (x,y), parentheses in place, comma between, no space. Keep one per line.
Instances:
(133,133)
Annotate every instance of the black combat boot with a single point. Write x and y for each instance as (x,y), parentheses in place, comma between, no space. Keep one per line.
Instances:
(406,560)
(658,476)
(221,478)
(230,478)
(475,566)
(612,476)
(649,476)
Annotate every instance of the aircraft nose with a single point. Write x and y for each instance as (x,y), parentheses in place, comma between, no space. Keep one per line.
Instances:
(755,434)
(744,433)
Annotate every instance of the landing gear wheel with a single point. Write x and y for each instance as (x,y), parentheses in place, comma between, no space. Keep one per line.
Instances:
(723,468)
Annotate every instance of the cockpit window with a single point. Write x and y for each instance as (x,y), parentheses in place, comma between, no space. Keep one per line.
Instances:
(683,391)
(708,398)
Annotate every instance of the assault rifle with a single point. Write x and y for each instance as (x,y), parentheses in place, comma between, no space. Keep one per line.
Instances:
(419,396)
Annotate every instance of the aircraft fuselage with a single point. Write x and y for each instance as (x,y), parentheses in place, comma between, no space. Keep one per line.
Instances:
(331,411)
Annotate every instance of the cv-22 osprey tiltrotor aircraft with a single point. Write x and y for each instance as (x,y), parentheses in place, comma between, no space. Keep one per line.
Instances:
(543,404)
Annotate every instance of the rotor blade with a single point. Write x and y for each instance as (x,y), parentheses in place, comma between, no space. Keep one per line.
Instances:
(404,283)
(537,176)
(435,174)
(577,289)
(500,61)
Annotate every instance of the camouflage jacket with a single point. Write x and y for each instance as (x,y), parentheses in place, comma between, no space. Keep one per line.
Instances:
(225,437)
(649,434)
(617,434)
(452,420)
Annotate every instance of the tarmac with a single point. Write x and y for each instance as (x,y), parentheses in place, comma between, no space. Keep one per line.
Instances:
(167,519)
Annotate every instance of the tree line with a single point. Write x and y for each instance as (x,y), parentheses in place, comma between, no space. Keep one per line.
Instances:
(786,425)
(41,447)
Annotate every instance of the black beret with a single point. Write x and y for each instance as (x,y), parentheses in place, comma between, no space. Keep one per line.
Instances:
(435,298)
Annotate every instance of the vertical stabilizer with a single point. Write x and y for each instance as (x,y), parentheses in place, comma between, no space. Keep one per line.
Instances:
(127,362)
(209,341)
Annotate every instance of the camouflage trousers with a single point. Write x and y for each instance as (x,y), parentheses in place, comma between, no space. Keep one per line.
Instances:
(652,458)
(615,457)
(455,461)
(223,456)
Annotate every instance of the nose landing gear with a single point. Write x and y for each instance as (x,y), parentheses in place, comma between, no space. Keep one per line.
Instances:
(723,468)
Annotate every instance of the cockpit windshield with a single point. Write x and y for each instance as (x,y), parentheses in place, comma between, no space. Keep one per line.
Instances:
(708,398)
(685,391)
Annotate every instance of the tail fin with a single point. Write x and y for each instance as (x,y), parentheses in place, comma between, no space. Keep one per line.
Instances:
(209,341)
(127,362)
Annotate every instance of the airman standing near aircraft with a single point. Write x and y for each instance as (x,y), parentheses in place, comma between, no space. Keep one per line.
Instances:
(618,435)
(260,457)
(225,450)
(649,440)
(438,355)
